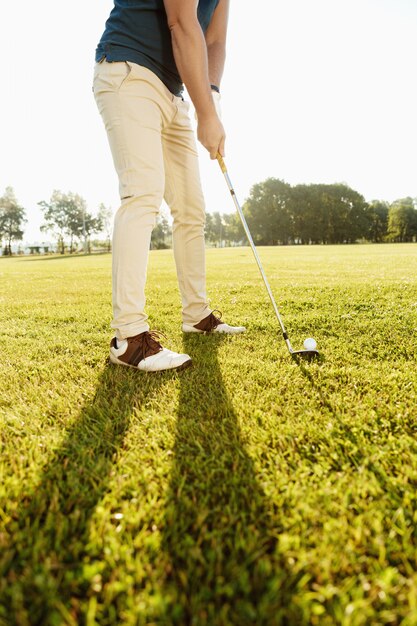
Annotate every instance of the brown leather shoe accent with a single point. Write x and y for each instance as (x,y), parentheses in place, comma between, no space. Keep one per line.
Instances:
(140,347)
(210,322)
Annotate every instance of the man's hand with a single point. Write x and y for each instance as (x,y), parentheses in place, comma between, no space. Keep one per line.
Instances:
(211,135)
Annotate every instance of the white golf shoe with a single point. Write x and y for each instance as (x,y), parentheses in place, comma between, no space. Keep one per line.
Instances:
(145,353)
(213,324)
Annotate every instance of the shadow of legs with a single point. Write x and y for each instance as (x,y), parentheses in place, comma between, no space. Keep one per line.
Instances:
(217,530)
(45,545)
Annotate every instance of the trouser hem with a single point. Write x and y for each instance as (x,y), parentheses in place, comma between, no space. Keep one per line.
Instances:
(205,312)
(125,333)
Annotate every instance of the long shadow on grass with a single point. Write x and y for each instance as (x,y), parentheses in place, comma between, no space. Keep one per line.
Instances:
(224,566)
(45,548)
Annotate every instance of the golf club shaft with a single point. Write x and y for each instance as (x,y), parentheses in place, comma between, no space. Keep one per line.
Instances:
(252,245)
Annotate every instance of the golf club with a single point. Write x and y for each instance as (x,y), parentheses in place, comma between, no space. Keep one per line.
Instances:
(308,354)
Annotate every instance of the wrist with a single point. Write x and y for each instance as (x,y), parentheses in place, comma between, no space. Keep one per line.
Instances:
(207,116)
(215,88)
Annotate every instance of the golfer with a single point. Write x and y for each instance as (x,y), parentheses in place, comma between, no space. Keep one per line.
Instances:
(148,50)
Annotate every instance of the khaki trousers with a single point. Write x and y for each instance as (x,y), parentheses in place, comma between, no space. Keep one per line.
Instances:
(155,156)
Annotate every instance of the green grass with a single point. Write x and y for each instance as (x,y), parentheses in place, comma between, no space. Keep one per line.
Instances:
(247,490)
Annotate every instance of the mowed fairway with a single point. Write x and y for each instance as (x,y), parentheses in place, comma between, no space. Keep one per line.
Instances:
(247,490)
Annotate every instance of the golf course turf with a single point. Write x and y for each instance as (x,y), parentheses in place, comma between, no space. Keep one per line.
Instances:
(246,490)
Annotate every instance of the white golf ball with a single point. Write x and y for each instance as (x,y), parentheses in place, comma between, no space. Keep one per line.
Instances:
(310,344)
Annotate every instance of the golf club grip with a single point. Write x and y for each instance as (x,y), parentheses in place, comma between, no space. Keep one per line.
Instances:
(252,245)
(221,163)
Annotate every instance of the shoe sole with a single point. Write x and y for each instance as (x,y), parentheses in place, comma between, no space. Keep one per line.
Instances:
(115,361)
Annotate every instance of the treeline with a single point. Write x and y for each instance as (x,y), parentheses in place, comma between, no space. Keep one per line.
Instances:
(280,214)
(277,214)
(12,220)
(68,222)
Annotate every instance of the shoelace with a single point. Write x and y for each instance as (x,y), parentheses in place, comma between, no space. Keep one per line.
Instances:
(149,344)
(214,321)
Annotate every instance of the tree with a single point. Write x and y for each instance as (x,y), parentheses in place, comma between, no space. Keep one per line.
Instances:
(218,229)
(310,206)
(79,224)
(55,218)
(161,233)
(224,227)
(67,215)
(378,220)
(12,218)
(348,214)
(211,230)
(279,213)
(105,216)
(232,228)
(90,225)
(402,220)
(267,211)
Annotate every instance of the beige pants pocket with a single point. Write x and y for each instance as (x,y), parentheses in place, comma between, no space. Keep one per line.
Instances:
(111,76)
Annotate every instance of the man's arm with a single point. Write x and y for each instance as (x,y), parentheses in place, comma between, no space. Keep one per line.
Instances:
(190,53)
(216,42)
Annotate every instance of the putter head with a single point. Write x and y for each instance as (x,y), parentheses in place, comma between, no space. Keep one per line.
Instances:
(307,355)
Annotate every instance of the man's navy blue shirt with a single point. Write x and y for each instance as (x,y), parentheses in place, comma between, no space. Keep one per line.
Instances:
(137,31)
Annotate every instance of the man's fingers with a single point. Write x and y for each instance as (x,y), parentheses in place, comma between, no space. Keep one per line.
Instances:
(211,134)
(213,153)
(221,146)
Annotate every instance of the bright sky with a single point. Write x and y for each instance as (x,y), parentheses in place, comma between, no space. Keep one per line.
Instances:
(314,91)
